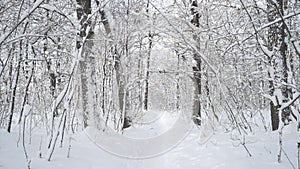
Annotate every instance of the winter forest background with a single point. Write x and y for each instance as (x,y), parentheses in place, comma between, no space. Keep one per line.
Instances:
(67,65)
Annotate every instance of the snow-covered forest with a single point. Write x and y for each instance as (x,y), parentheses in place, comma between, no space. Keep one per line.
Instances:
(149,84)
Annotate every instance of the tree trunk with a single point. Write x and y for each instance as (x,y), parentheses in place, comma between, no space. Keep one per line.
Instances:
(122,91)
(178,83)
(278,63)
(83,10)
(272,38)
(196,67)
(14,89)
(197,93)
(146,101)
(286,91)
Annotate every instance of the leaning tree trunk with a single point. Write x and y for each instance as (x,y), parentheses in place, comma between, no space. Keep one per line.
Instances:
(14,89)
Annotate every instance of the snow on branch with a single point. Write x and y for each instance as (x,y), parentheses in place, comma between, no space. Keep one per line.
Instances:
(23,17)
(201,55)
(260,29)
(289,103)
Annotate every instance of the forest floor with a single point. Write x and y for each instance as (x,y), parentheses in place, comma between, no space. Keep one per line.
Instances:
(220,151)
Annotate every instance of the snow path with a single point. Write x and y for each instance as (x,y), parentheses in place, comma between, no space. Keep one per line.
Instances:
(169,130)
(222,151)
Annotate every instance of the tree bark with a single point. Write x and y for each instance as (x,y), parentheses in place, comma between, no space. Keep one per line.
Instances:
(146,101)
(278,63)
(83,10)
(196,66)
(14,89)
(286,91)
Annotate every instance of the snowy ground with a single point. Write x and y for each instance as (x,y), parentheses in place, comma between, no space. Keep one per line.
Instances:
(221,151)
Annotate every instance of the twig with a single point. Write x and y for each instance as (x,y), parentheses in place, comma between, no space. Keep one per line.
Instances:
(298,155)
(40,148)
(244,145)
(288,158)
(22,19)
(280,145)
(69,148)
